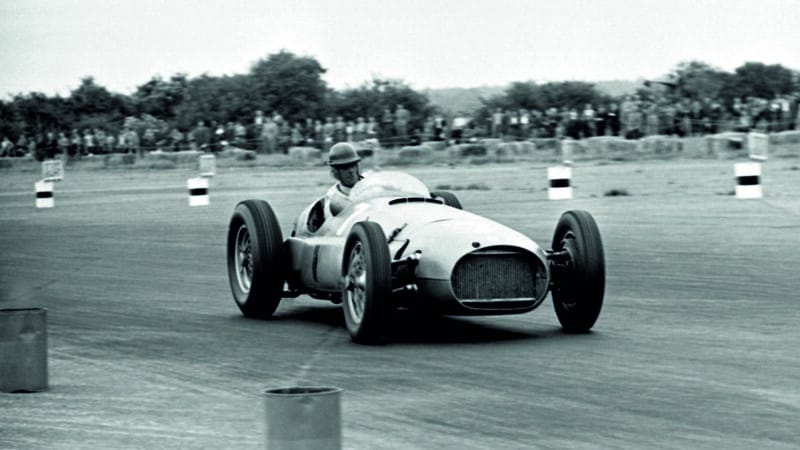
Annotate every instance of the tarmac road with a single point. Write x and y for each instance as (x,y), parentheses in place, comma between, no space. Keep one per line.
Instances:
(696,347)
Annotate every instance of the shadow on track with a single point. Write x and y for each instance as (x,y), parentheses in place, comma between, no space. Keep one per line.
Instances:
(415,327)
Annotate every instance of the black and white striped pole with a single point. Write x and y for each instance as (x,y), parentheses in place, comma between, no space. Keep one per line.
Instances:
(748,180)
(198,191)
(560,179)
(44,194)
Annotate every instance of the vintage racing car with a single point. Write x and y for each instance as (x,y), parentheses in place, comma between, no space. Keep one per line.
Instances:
(399,245)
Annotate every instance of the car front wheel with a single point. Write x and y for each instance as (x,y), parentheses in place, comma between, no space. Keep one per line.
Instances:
(578,280)
(366,286)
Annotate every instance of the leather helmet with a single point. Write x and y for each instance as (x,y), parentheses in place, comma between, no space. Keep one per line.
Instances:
(342,154)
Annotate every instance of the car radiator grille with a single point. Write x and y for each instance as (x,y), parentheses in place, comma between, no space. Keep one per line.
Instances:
(497,275)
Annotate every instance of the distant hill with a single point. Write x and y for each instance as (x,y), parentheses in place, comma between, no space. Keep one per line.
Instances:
(462,100)
(615,88)
(466,100)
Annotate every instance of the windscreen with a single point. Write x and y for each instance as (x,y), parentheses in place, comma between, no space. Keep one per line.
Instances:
(388,184)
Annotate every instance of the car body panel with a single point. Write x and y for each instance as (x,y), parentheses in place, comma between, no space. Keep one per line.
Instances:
(416,224)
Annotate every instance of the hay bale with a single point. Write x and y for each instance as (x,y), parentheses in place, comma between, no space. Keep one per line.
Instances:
(784,138)
(551,144)
(435,145)
(185,156)
(525,148)
(119,159)
(723,143)
(465,150)
(492,145)
(238,154)
(305,153)
(660,145)
(365,152)
(611,147)
(413,152)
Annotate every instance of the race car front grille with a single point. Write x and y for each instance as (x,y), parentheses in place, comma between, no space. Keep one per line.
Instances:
(493,276)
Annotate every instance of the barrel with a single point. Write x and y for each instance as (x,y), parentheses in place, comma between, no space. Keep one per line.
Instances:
(23,350)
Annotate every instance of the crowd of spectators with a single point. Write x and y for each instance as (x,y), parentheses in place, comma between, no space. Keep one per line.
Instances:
(631,118)
(634,118)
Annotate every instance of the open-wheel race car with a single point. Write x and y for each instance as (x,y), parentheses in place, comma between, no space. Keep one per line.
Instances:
(399,245)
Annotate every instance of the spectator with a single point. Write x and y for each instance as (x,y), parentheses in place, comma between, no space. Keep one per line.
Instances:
(524,124)
(401,118)
(513,125)
(269,136)
(149,140)
(89,141)
(327,134)
(176,140)
(63,144)
(132,142)
(217,136)
(110,142)
(650,114)
(372,128)
(319,135)
(76,147)
(360,130)
(600,119)
(387,125)
(339,130)
(797,119)
(201,136)
(588,121)
(239,135)
(349,129)
(50,145)
(613,119)
(497,123)
(297,138)
(573,125)
(284,136)
(634,123)
(6,147)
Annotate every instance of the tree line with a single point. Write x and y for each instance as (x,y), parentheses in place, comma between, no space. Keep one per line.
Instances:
(293,86)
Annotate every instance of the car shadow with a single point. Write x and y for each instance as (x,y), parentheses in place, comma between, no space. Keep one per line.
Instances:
(412,327)
(417,327)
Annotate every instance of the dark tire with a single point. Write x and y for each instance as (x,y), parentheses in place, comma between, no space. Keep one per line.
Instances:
(578,289)
(255,258)
(367,286)
(449,198)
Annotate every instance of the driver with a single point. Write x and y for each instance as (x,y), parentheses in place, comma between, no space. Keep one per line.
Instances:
(343,161)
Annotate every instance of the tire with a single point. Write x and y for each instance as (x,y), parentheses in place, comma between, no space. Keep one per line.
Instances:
(367,286)
(449,198)
(578,290)
(255,259)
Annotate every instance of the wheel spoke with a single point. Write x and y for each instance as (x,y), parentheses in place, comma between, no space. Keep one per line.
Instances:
(355,283)
(244,259)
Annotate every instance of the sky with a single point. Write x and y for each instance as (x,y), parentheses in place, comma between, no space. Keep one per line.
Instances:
(48,46)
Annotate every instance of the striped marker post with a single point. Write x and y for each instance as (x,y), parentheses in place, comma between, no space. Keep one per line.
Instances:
(198,191)
(560,178)
(44,194)
(748,180)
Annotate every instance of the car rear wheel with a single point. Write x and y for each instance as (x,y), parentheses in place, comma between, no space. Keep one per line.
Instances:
(448,198)
(255,258)
(367,278)
(578,280)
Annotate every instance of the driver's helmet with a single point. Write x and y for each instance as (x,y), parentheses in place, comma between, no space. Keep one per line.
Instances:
(342,154)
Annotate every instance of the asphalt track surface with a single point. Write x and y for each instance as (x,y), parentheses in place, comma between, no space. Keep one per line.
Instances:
(697,345)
